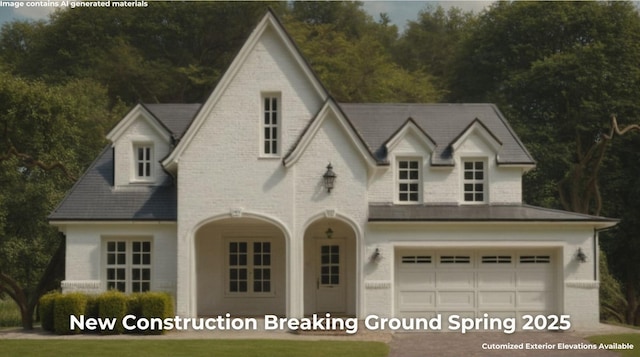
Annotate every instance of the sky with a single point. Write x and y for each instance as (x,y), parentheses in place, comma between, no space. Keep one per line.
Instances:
(399,11)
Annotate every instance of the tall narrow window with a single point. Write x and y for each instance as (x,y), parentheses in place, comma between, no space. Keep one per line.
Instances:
(270,124)
(249,267)
(128,265)
(474,182)
(408,180)
(143,161)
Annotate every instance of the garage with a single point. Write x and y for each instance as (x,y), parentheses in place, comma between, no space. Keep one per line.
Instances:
(471,282)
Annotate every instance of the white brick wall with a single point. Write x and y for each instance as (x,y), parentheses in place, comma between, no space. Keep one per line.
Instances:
(85,256)
(138,132)
(444,184)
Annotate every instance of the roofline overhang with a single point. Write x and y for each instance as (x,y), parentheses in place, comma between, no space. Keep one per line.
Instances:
(64,222)
(597,224)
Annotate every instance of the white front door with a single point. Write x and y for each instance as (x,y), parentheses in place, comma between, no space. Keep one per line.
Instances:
(330,276)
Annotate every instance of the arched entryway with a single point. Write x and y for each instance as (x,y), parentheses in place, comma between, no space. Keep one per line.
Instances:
(330,278)
(240,268)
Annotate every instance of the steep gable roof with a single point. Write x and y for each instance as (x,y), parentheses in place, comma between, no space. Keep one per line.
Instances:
(93,198)
(269,21)
(175,117)
(309,132)
(442,122)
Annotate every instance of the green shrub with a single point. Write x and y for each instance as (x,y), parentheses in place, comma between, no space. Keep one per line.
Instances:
(92,307)
(156,304)
(112,304)
(64,306)
(45,310)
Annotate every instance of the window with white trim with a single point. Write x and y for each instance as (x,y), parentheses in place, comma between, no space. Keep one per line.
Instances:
(143,162)
(270,125)
(408,180)
(249,267)
(474,181)
(128,265)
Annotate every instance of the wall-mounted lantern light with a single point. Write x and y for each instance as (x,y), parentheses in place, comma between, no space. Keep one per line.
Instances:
(376,256)
(580,256)
(329,178)
(329,233)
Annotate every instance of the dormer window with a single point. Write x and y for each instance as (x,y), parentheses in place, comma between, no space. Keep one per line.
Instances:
(143,162)
(474,181)
(270,125)
(408,180)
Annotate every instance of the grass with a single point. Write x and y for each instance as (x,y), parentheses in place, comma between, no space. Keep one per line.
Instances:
(192,348)
(631,338)
(9,314)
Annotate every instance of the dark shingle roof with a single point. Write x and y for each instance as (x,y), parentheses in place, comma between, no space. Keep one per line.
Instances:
(475,213)
(175,117)
(94,198)
(442,122)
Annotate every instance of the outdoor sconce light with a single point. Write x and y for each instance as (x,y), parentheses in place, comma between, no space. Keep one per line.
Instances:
(376,256)
(329,178)
(580,256)
(329,233)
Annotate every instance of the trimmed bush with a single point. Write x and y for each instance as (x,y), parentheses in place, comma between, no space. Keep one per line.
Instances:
(156,305)
(64,306)
(112,304)
(92,306)
(45,310)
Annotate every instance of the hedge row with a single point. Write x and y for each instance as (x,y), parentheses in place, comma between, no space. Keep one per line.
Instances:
(56,310)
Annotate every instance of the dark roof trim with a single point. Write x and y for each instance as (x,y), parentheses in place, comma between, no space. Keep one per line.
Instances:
(465,130)
(409,120)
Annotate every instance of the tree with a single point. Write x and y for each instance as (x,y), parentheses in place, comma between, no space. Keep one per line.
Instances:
(48,135)
(166,52)
(559,70)
(351,54)
(429,43)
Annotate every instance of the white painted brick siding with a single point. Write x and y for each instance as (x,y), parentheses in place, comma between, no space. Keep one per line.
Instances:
(125,158)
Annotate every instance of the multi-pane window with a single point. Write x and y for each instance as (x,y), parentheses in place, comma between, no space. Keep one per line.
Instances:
(474,181)
(143,161)
(330,265)
(128,265)
(249,267)
(408,180)
(270,124)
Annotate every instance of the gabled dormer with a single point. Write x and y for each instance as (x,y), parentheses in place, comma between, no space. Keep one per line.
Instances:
(409,150)
(139,142)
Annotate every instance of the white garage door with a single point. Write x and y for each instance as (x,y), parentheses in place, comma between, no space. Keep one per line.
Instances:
(470,283)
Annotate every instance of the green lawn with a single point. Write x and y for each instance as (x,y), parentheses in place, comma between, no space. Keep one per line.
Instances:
(191,348)
(632,338)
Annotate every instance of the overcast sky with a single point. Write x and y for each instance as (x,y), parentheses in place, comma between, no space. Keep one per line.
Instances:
(399,11)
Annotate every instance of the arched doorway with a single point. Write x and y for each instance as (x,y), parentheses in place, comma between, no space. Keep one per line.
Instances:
(240,268)
(330,278)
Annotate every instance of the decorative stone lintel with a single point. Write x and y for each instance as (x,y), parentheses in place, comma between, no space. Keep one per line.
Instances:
(582,284)
(377,284)
(88,286)
(236,212)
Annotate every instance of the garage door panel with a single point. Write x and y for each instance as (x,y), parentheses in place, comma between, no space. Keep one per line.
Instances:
(417,279)
(493,299)
(534,299)
(535,279)
(496,279)
(454,279)
(502,283)
(417,300)
(462,300)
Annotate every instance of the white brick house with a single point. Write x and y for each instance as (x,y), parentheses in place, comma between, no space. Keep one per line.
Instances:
(224,205)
